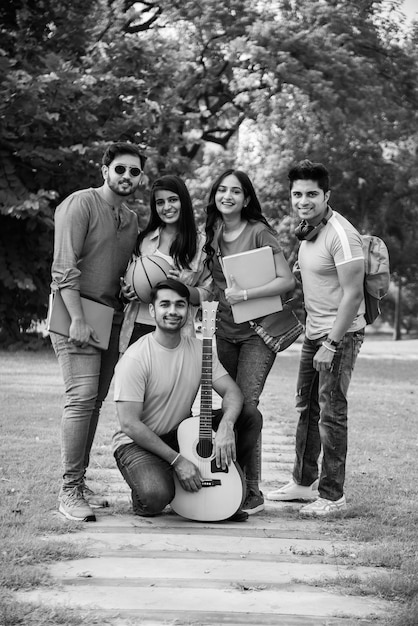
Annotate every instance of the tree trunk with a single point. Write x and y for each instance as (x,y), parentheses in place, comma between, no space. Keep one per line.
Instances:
(397,336)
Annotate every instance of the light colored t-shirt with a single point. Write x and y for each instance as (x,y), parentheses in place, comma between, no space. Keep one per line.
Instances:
(336,244)
(165,380)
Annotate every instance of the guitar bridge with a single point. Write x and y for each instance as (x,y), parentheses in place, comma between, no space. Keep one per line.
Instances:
(214,482)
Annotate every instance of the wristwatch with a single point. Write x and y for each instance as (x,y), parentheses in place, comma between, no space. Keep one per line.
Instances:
(333,343)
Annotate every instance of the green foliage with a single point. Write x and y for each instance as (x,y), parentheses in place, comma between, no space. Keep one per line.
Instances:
(26,233)
(266,83)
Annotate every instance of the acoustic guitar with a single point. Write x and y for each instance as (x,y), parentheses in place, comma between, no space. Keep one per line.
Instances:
(222,489)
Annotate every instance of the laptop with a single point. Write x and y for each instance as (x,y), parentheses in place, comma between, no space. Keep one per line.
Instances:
(98,316)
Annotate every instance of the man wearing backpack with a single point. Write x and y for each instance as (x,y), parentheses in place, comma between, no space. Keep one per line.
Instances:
(331,264)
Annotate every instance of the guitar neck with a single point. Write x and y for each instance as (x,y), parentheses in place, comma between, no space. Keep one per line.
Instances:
(205,427)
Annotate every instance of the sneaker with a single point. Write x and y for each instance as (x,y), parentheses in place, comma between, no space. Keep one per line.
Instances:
(325,508)
(253,503)
(292,491)
(73,505)
(95,501)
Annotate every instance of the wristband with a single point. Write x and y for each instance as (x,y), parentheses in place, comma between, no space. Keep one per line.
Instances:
(333,343)
(328,347)
(175,459)
(245,295)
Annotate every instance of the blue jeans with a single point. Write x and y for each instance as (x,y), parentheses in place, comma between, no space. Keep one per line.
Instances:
(151,478)
(248,362)
(87,374)
(321,400)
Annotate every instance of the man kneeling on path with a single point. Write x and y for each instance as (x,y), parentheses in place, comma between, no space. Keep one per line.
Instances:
(156,382)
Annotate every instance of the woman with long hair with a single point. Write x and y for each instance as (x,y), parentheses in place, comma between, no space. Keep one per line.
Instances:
(235,224)
(171,233)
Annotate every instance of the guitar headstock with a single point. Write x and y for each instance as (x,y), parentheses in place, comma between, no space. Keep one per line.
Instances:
(209,319)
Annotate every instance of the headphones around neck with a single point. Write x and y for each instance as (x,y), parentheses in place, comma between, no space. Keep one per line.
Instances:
(306,232)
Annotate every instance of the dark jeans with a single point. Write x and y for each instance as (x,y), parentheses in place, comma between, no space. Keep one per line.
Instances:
(151,478)
(321,400)
(248,362)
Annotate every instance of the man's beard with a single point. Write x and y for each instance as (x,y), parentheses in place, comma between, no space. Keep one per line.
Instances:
(172,329)
(119,191)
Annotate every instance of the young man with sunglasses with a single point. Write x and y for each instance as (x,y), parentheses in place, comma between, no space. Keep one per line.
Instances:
(95,233)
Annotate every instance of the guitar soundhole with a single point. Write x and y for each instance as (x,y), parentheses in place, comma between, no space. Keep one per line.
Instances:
(204,448)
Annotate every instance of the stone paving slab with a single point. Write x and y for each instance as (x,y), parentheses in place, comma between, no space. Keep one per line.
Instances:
(155,569)
(244,546)
(294,600)
(211,618)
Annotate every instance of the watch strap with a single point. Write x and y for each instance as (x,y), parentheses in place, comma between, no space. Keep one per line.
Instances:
(333,343)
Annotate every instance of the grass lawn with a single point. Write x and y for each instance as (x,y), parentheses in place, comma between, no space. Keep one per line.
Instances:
(381,485)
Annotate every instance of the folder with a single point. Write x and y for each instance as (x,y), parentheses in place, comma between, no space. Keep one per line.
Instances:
(98,316)
(253,268)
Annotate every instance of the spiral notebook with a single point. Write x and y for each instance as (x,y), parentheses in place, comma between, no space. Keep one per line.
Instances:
(98,316)
(252,269)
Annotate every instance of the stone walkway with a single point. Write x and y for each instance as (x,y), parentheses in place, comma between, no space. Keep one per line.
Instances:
(274,569)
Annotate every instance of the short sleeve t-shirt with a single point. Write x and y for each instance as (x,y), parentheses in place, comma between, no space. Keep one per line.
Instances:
(336,244)
(254,235)
(165,380)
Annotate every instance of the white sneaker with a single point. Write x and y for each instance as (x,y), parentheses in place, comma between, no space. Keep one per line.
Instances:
(292,491)
(325,508)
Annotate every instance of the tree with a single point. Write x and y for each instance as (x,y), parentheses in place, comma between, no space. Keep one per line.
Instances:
(59,108)
(180,75)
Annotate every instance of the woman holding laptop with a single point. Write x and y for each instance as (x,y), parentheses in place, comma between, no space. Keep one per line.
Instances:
(235,224)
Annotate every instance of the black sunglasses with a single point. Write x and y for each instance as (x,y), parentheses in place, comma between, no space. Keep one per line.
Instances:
(134,171)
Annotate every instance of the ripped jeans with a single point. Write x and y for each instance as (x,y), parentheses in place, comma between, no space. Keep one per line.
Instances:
(321,400)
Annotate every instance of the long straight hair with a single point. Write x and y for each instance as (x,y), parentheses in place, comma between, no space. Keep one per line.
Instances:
(184,246)
(250,212)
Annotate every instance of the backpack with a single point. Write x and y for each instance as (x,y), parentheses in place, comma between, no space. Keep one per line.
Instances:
(376,276)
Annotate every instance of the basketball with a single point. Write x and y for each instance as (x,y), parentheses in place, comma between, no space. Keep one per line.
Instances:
(144,273)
